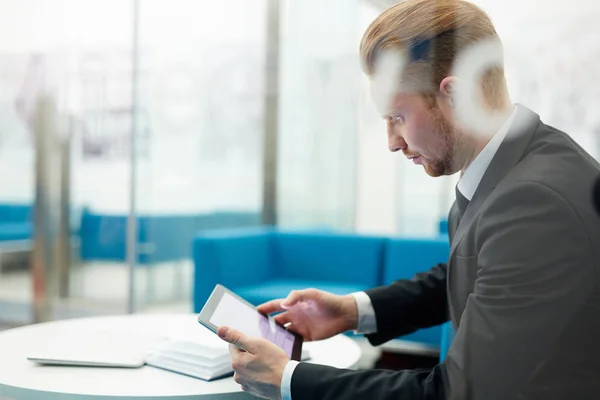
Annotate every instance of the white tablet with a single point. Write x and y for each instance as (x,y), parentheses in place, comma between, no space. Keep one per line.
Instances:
(225,308)
(89,361)
(91,349)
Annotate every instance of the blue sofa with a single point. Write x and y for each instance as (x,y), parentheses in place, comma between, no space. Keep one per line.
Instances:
(447,337)
(17,229)
(15,222)
(406,257)
(443,226)
(161,238)
(447,328)
(102,237)
(263,264)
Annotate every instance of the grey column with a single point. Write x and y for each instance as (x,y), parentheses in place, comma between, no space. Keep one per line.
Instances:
(44,270)
(64,243)
(132,223)
(270,164)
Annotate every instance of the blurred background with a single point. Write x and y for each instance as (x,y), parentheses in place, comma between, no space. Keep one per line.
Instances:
(129,127)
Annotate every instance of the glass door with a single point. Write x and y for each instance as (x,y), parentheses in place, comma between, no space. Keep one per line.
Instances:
(58,157)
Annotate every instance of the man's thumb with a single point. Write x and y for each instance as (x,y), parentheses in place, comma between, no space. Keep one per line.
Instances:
(233,336)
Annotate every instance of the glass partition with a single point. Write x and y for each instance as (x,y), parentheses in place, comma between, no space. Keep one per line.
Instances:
(54,65)
(201,78)
(185,153)
(17,164)
(320,88)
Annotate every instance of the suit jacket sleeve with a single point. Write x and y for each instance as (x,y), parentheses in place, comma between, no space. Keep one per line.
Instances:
(408,305)
(534,272)
(319,382)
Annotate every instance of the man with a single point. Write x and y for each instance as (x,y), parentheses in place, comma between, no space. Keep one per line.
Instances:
(522,285)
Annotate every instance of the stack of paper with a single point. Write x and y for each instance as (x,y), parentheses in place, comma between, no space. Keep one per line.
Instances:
(192,358)
(195,359)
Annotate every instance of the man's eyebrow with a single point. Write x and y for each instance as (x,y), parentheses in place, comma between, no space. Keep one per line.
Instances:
(393,112)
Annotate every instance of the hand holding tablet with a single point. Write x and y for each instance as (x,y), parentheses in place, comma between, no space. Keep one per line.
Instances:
(225,308)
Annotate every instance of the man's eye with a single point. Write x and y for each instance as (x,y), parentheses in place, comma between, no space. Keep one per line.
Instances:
(397,119)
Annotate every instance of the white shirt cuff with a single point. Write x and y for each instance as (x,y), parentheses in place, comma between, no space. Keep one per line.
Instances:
(367,322)
(286,380)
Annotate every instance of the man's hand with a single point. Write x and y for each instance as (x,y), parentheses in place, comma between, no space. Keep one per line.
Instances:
(259,368)
(314,314)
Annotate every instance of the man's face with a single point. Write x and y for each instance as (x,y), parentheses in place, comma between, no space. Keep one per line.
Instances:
(422,133)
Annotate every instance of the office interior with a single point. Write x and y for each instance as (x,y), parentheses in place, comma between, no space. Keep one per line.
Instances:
(136,137)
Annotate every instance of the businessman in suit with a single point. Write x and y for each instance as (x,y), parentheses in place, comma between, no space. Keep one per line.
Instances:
(522,285)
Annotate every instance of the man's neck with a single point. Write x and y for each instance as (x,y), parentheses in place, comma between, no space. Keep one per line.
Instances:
(474,143)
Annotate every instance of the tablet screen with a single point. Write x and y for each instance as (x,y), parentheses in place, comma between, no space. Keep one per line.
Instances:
(233,313)
(224,308)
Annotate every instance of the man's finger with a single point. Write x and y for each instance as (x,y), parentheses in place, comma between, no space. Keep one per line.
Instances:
(271,306)
(283,318)
(236,338)
(238,359)
(235,351)
(297,296)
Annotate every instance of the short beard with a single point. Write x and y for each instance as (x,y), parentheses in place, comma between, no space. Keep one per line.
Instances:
(445,164)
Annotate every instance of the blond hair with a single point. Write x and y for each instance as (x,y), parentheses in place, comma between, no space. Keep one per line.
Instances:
(448,27)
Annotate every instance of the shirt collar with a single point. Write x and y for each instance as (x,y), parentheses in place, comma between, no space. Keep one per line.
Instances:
(469,181)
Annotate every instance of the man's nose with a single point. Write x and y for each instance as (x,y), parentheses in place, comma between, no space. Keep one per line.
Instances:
(396,143)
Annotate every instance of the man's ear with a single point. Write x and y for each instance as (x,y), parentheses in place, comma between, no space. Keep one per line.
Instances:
(448,89)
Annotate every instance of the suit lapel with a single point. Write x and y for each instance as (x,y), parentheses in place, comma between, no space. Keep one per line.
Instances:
(507,156)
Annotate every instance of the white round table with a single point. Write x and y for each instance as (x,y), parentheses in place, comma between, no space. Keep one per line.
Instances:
(22,379)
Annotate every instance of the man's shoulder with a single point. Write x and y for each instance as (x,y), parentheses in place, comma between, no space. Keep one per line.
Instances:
(554,160)
(554,170)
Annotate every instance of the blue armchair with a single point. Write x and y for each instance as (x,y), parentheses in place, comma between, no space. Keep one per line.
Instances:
(443,226)
(447,328)
(447,337)
(161,238)
(406,257)
(262,264)
(15,222)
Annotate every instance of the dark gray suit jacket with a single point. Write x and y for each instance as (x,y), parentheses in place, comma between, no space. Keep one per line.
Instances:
(522,288)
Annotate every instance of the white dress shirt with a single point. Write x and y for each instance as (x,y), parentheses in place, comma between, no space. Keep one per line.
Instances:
(469,181)
(467,185)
